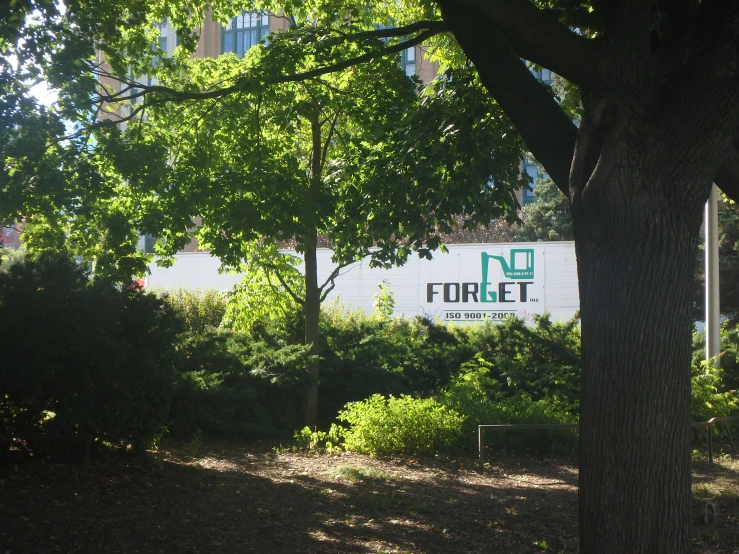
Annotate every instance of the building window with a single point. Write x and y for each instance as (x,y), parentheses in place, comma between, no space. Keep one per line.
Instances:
(407,56)
(149,80)
(162,46)
(246,30)
(542,73)
(408,61)
(532,170)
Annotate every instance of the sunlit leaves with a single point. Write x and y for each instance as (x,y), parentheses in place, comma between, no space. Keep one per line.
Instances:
(396,169)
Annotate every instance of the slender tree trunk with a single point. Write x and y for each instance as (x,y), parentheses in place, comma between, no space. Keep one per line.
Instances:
(636,250)
(312,330)
(312,292)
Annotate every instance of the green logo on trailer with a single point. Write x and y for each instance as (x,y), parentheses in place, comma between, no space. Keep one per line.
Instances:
(520,265)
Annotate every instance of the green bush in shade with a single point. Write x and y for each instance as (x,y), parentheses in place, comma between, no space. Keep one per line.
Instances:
(476,395)
(83,358)
(729,358)
(232,385)
(364,355)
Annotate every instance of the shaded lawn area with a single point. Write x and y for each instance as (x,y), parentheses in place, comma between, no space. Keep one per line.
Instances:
(234,498)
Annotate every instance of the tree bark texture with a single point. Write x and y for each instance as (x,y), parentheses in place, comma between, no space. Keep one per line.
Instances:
(635,255)
(312,331)
(660,122)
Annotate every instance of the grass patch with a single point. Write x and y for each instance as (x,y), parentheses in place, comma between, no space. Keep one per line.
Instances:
(355,474)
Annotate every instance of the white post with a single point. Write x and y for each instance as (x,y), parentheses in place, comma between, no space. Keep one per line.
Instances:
(713,306)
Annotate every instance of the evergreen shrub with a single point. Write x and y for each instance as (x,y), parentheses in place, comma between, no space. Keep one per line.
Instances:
(81,357)
(232,385)
(363,355)
(477,396)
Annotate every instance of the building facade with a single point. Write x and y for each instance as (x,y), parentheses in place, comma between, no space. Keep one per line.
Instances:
(248,29)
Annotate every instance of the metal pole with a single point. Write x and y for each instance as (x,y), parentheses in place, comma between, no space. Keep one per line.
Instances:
(713,307)
(481,445)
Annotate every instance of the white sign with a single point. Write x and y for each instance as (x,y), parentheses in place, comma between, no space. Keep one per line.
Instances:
(492,284)
(472,282)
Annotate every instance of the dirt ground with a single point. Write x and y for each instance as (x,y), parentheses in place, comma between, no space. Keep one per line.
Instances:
(237,499)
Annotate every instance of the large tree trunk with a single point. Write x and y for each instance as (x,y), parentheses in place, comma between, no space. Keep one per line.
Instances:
(636,249)
(312,331)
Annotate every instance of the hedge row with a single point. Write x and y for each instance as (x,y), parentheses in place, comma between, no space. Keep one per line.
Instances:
(84,358)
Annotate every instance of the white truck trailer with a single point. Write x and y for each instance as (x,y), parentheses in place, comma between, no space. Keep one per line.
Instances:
(472,282)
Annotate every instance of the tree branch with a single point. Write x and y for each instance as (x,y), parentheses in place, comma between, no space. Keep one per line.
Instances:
(246,82)
(727,177)
(329,138)
(284,284)
(544,126)
(536,35)
(590,122)
(390,32)
(603,168)
(331,279)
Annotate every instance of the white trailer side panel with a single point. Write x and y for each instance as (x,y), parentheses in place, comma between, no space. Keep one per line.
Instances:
(471,282)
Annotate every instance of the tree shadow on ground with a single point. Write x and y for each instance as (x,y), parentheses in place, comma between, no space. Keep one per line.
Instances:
(235,499)
(717,483)
(241,500)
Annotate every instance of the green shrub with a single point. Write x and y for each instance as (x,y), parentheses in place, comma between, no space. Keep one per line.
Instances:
(407,425)
(708,399)
(363,355)
(320,441)
(477,397)
(542,360)
(522,409)
(383,301)
(82,357)
(729,359)
(235,386)
(200,310)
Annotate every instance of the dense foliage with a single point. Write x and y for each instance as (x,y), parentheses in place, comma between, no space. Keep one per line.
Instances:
(233,385)
(200,311)
(82,358)
(404,425)
(123,366)
(546,219)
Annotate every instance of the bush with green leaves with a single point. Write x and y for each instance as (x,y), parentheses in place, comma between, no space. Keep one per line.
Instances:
(729,358)
(199,310)
(393,425)
(476,395)
(542,360)
(363,355)
(708,399)
(448,423)
(320,441)
(81,357)
(714,389)
(232,385)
